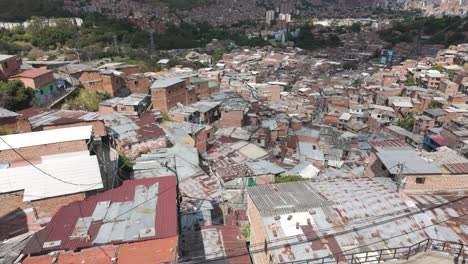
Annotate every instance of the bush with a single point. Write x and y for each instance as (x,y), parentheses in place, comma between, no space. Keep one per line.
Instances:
(14,96)
(85,100)
(290,178)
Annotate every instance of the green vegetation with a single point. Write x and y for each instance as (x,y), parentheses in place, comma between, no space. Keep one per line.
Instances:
(5,131)
(434,104)
(83,99)
(246,231)
(437,68)
(445,30)
(310,41)
(355,27)
(410,81)
(218,54)
(14,96)
(407,122)
(165,117)
(289,178)
(101,37)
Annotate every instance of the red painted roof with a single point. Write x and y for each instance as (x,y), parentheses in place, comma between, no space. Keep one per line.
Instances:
(101,255)
(33,73)
(149,252)
(62,224)
(439,140)
(38,260)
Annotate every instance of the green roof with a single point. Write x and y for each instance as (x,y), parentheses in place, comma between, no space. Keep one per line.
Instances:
(197,80)
(212,84)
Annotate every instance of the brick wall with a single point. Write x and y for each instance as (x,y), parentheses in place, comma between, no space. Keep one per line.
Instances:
(9,67)
(9,124)
(14,215)
(104,109)
(43,150)
(436,183)
(98,127)
(138,85)
(257,232)
(91,80)
(232,118)
(48,207)
(166,98)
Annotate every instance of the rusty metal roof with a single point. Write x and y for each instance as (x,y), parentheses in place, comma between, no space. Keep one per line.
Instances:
(389,145)
(136,211)
(457,168)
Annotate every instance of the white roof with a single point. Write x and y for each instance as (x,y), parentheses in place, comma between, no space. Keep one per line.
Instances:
(80,172)
(345,116)
(46,137)
(402,104)
(163,61)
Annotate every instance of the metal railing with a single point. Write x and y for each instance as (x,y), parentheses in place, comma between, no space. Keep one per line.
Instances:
(455,249)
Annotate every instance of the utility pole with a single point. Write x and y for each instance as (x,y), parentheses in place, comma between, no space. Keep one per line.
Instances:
(151,43)
(399,176)
(116,47)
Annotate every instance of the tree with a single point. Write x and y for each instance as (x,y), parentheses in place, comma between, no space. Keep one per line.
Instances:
(218,54)
(14,96)
(407,122)
(355,27)
(410,81)
(434,104)
(85,100)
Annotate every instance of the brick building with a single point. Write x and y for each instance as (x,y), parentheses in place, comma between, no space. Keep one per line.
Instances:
(34,196)
(11,122)
(132,105)
(34,145)
(41,119)
(430,172)
(167,92)
(138,83)
(234,113)
(42,81)
(9,66)
(104,81)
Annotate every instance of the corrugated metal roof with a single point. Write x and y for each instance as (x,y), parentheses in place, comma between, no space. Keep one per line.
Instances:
(11,249)
(63,223)
(364,211)
(81,170)
(390,144)
(413,163)
(288,197)
(7,113)
(457,168)
(46,137)
(52,117)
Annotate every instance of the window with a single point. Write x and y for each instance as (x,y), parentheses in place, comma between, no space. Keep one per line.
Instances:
(420,180)
(136,82)
(5,64)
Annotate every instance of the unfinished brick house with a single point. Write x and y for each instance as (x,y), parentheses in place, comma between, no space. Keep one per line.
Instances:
(167,92)
(103,81)
(54,169)
(9,66)
(41,119)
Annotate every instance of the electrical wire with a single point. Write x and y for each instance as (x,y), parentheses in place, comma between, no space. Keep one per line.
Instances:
(42,171)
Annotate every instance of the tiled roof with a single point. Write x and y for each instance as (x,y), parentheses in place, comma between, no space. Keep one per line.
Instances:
(136,211)
(33,73)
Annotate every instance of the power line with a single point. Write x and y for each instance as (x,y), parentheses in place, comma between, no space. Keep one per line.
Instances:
(42,171)
(318,238)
